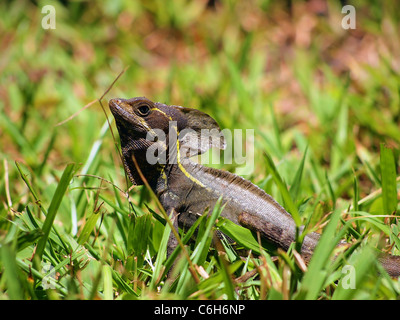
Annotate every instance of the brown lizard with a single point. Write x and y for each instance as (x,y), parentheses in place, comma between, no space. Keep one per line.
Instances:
(151,132)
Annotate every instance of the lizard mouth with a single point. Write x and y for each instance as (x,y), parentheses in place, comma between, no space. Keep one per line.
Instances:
(118,110)
(126,119)
(114,105)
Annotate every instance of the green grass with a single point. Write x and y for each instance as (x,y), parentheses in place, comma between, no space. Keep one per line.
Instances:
(324,104)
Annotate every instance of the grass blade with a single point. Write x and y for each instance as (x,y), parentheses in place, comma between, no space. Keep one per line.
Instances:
(202,245)
(295,187)
(138,236)
(53,208)
(11,272)
(107,283)
(389,188)
(353,275)
(289,204)
(89,225)
(239,234)
(160,256)
(314,278)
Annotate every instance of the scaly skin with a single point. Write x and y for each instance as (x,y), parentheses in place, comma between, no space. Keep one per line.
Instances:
(187,189)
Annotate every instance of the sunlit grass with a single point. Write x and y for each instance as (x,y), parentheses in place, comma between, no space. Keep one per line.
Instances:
(324,104)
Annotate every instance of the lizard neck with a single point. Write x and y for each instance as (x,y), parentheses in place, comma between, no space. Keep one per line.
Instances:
(151,172)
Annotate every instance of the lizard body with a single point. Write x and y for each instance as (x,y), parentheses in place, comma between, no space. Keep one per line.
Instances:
(187,188)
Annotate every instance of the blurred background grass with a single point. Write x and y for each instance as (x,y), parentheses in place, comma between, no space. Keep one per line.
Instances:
(286,69)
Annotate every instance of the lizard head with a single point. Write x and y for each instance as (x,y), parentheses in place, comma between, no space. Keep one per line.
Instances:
(149,129)
(136,117)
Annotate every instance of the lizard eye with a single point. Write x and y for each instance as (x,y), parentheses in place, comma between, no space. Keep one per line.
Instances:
(143,110)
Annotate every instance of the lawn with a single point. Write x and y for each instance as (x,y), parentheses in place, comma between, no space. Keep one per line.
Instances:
(322,102)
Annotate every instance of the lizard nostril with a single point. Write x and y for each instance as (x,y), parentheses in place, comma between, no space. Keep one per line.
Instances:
(114,102)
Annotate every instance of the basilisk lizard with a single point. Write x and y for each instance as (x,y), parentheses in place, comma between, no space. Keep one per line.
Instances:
(151,132)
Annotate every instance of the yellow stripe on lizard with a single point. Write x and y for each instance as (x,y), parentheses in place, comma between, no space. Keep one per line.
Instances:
(178,157)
